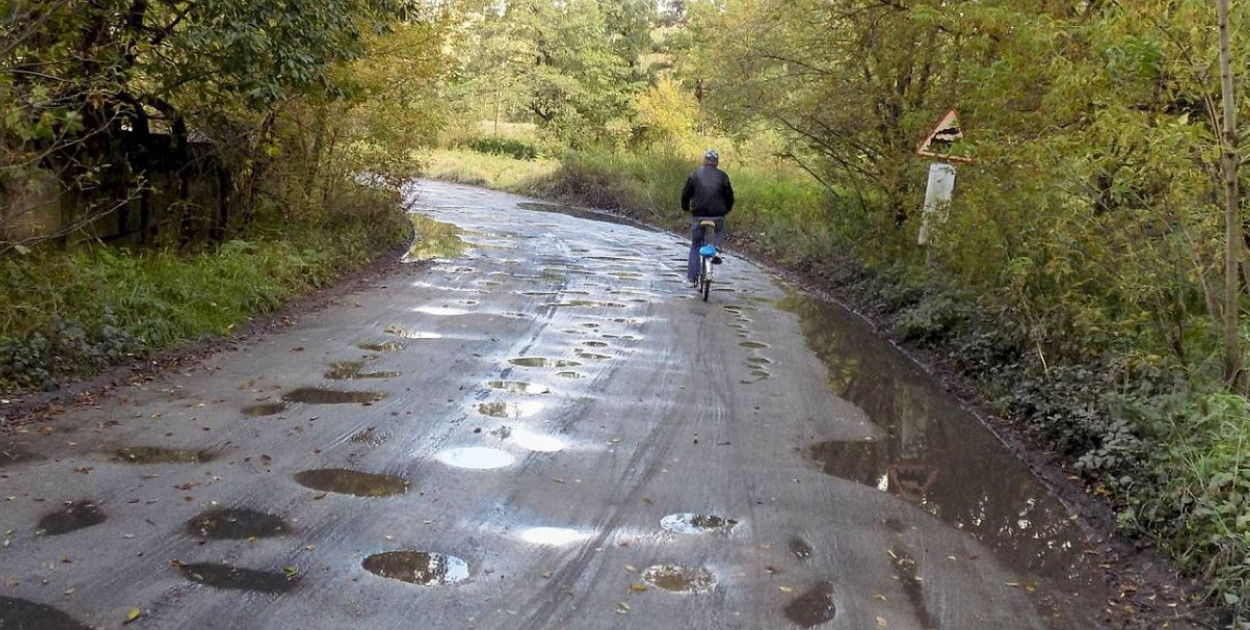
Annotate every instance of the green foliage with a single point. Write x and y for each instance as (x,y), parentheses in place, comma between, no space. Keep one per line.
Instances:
(515,149)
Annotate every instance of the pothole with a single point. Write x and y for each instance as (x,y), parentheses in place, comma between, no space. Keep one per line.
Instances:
(678,579)
(353,482)
(540,362)
(519,387)
(569,375)
(434,239)
(71,517)
(754,345)
(590,356)
(595,344)
(159,455)
(235,524)
(813,607)
(231,577)
(500,409)
(799,548)
(264,409)
(369,436)
(322,396)
(476,458)
(553,536)
(687,523)
(400,331)
(381,346)
(418,567)
(20,613)
(352,370)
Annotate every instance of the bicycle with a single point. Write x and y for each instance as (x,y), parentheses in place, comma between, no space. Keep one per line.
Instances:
(709,256)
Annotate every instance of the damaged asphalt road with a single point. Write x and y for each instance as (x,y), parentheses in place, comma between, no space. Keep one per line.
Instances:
(542,427)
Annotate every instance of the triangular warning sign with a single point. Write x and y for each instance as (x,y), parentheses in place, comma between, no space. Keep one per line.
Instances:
(943,137)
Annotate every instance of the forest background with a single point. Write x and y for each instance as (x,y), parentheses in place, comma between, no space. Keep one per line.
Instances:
(1087,276)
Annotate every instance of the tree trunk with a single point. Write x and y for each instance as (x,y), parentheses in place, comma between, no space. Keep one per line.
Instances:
(1232,204)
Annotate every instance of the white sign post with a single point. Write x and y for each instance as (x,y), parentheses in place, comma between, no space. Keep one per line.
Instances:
(937,198)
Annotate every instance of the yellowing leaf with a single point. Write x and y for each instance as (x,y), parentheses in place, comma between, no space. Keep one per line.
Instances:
(132,614)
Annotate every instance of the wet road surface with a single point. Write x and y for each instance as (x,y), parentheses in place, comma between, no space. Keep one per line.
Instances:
(539,427)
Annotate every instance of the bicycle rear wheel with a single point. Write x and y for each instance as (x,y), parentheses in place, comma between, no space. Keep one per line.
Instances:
(705,278)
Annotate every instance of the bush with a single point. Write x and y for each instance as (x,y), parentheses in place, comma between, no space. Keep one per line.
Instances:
(510,147)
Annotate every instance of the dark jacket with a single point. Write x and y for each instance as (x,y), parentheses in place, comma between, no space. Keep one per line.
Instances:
(707,193)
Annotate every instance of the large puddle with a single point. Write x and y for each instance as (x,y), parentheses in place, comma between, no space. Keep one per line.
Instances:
(71,517)
(353,482)
(933,453)
(433,240)
(236,578)
(236,524)
(21,614)
(418,567)
(323,396)
(813,607)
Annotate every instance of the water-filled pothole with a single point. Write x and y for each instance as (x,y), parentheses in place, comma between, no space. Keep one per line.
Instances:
(13,455)
(434,239)
(671,577)
(71,517)
(500,409)
(476,458)
(569,375)
(754,345)
(381,346)
(353,482)
(352,370)
(687,523)
(265,409)
(235,524)
(553,536)
(418,567)
(22,614)
(799,548)
(595,344)
(540,362)
(231,577)
(159,455)
(400,331)
(813,607)
(323,396)
(519,387)
(590,356)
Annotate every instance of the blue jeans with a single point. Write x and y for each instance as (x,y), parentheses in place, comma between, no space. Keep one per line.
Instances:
(696,241)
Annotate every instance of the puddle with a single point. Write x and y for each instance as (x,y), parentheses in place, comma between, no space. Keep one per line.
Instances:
(400,331)
(369,436)
(418,567)
(595,344)
(814,607)
(671,577)
(231,577)
(539,362)
(569,375)
(586,304)
(537,442)
(353,482)
(519,387)
(499,409)
(935,454)
(799,548)
(382,346)
(433,240)
(758,361)
(440,311)
(626,275)
(905,574)
(591,356)
(553,536)
(236,524)
(476,458)
(351,370)
(71,517)
(158,455)
(687,523)
(322,396)
(264,409)
(21,614)
(754,345)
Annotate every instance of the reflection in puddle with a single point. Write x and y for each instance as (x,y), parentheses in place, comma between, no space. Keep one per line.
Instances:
(553,536)
(595,344)
(687,523)
(441,311)
(236,524)
(934,453)
(264,409)
(231,577)
(755,345)
(433,240)
(351,482)
(418,567)
(400,331)
(537,442)
(499,409)
(158,455)
(569,375)
(20,614)
(799,548)
(476,458)
(369,436)
(382,346)
(518,387)
(671,577)
(814,607)
(71,517)
(905,574)
(543,363)
(322,396)
(351,370)
(590,356)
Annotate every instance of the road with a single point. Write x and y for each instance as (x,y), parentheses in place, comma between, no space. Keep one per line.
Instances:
(543,428)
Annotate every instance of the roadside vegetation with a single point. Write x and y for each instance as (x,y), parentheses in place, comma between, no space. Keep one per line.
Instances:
(1087,278)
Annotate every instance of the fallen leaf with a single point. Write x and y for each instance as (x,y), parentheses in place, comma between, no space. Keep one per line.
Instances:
(638,587)
(132,614)
(881,623)
(83,469)
(786,589)
(629,568)
(290,571)
(879,597)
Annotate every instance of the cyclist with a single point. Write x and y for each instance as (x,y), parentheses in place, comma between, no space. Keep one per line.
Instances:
(707,195)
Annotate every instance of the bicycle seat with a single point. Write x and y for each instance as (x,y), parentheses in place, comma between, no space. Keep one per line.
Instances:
(708,223)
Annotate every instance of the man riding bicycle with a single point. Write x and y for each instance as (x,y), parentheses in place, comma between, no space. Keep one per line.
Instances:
(708,195)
